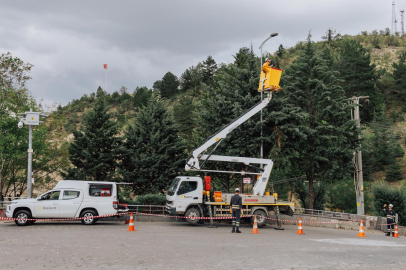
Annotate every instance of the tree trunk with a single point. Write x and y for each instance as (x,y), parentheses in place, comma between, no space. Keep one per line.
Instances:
(311,193)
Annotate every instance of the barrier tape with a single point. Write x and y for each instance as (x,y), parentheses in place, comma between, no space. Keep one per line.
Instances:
(303,221)
(157,215)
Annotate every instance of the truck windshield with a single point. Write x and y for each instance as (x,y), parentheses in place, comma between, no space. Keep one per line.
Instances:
(173,187)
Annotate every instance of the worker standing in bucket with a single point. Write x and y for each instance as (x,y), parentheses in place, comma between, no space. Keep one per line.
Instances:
(236,208)
(390,219)
(269,63)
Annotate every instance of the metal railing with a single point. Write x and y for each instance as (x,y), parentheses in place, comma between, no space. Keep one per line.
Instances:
(150,209)
(323,213)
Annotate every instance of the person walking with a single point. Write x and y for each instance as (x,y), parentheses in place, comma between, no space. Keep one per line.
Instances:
(236,208)
(390,219)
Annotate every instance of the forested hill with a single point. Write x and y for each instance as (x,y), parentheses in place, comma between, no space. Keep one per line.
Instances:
(144,135)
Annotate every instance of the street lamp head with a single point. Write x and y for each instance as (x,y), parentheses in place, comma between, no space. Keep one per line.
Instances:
(274,34)
(20,124)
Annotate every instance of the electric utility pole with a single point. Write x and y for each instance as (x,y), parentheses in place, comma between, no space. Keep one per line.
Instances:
(358,176)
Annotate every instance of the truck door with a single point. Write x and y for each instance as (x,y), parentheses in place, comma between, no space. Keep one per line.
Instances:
(187,194)
(47,206)
(70,202)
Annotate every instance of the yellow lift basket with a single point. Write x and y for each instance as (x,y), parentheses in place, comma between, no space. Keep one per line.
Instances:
(270,77)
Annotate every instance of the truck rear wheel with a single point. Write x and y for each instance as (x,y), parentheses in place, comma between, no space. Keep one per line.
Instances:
(261,215)
(88,216)
(22,216)
(193,215)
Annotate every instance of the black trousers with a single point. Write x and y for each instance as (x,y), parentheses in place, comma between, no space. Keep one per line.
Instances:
(236,216)
(389,221)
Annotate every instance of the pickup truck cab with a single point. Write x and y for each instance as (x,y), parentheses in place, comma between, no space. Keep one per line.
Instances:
(69,199)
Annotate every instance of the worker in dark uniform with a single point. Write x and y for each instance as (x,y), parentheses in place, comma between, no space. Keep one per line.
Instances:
(391,216)
(269,63)
(236,208)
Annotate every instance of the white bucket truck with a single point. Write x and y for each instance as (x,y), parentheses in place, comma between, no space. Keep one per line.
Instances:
(69,199)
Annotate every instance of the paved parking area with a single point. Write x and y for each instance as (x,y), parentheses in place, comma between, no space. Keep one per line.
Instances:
(177,245)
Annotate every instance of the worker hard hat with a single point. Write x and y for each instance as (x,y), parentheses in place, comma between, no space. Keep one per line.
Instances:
(267,59)
(390,205)
(237,190)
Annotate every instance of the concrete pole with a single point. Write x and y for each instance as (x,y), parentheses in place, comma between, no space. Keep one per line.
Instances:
(29,172)
(359,183)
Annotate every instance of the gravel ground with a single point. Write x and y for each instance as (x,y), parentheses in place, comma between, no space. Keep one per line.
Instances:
(177,245)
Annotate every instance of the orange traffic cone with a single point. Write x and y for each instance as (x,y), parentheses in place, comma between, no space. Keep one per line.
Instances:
(131,224)
(300,228)
(361,230)
(396,233)
(255,227)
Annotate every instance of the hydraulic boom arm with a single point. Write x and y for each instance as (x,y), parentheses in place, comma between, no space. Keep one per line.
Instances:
(193,162)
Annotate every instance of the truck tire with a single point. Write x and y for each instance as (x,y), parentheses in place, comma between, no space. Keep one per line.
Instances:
(88,215)
(193,212)
(23,215)
(261,215)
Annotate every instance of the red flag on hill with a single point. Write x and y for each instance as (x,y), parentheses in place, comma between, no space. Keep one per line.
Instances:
(105,66)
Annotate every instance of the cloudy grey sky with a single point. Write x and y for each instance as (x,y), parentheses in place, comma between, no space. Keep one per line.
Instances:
(69,41)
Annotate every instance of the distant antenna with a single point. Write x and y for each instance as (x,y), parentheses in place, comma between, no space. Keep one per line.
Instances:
(394,21)
(402,21)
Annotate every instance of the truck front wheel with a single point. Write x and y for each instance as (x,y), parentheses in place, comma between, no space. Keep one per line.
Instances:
(193,216)
(261,215)
(88,216)
(22,216)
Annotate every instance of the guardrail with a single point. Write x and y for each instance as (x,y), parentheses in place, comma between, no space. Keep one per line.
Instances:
(151,209)
(323,213)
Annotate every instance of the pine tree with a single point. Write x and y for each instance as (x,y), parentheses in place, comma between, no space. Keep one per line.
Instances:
(153,153)
(168,86)
(141,96)
(183,114)
(399,74)
(317,137)
(358,75)
(233,92)
(191,79)
(96,146)
(209,69)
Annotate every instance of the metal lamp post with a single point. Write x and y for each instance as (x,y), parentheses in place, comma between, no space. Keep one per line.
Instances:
(30,119)
(260,47)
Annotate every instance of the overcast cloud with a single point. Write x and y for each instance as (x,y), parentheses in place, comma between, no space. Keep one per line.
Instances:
(69,41)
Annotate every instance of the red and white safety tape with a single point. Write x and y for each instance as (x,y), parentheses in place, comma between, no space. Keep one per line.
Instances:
(168,216)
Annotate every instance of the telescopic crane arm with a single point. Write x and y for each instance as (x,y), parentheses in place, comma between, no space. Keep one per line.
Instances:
(269,83)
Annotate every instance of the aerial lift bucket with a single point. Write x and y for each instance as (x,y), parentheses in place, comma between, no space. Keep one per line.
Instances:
(270,77)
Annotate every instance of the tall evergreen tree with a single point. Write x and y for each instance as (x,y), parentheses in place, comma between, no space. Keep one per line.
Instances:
(141,96)
(358,75)
(169,85)
(153,153)
(318,137)
(191,79)
(399,74)
(183,113)
(233,92)
(96,146)
(209,69)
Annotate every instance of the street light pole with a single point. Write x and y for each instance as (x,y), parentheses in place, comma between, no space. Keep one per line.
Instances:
(30,119)
(29,168)
(262,144)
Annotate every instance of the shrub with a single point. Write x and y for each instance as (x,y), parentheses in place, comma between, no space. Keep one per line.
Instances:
(147,199)
(385,194)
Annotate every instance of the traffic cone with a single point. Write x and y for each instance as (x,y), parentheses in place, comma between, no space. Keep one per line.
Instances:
(131,224)
(255,227)
(361,230)
(300,228)
(396,233)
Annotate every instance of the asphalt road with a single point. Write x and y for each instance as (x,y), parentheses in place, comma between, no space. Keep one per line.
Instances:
(172,245)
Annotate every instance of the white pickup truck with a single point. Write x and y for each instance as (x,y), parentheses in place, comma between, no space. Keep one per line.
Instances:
(69,199)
